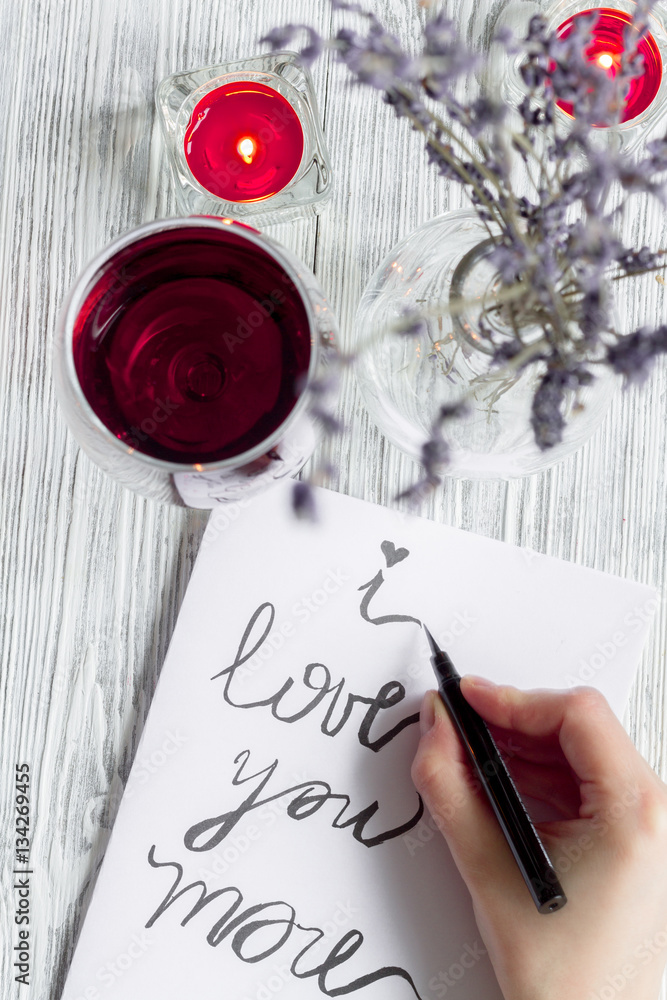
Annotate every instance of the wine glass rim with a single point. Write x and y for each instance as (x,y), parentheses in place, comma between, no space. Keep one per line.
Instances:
(83,284)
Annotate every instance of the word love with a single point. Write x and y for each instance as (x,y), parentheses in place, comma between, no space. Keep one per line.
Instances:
(308,797)
(260,930)
(317,678)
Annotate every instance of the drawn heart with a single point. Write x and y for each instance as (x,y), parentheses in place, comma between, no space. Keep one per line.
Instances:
(392,554)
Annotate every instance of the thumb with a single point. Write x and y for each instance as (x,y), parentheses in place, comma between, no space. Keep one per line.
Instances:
(454,796)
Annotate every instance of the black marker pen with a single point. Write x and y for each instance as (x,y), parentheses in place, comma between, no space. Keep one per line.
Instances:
(521,835)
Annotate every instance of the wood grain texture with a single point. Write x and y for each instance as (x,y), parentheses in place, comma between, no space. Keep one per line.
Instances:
(91,576)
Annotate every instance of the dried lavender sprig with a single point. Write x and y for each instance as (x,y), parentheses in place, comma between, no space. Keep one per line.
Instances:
(303,500)
(562,267)
(633,354)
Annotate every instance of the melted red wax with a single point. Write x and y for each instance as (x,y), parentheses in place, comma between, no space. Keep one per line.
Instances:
(607,40)
(244,141)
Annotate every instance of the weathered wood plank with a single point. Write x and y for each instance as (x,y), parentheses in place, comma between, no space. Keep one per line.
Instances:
(91,577)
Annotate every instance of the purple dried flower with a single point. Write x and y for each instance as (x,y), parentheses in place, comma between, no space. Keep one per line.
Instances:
(323,385)
(435,452)
(547,418)
(376,59)
(416,493)
(506,352)
(450,411)
(525,207)
(533,115)
(442,156)
(632,63)
(559,66)
(411,323)
(593,315)
(408,105)
(537,30)
(509,261)
(278,38)
(434,455)
(633,353)
(535,73)
(593,242)
(551,217)
(446,59)
(635,261)
(657,150)
(303,501)
(348,39)
(442,36)
(328,422)
(505,36)
(309,53)
(353,8)
(560,264)
(485,112)
(640,176)
(575,187)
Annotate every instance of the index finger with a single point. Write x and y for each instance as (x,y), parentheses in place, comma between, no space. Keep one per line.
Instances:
(592,739)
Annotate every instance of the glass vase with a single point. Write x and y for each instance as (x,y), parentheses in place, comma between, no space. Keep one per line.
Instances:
(405,378)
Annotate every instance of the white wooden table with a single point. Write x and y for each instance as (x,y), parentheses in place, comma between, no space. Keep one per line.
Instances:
(92,576)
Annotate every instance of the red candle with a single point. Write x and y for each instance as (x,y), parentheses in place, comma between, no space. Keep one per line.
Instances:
(244,141)
(606,50)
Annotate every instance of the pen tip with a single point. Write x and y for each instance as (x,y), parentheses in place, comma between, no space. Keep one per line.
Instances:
(433,644)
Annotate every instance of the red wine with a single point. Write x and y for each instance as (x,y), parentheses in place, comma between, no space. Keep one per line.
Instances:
(244,141)
(192,345)
(606,49)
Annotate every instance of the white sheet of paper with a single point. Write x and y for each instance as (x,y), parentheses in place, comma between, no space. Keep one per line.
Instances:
(236,799)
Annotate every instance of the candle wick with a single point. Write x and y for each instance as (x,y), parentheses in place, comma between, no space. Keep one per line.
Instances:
(247,147)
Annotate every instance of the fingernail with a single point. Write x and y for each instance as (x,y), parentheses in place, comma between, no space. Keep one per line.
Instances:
(479,681)
(427,713)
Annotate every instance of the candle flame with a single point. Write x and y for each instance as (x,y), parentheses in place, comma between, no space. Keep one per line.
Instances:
(247,147)
(605,60)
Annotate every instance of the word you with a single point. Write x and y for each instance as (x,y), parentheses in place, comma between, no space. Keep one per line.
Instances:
(308,797)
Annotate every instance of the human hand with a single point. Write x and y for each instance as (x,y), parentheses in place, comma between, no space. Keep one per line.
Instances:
(609,848)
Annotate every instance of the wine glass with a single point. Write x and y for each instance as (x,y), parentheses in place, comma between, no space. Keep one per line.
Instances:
(187,359)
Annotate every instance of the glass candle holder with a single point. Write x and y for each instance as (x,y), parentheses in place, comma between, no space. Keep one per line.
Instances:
(244,139)
(185,359)
(648,111)
(605,52)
